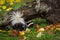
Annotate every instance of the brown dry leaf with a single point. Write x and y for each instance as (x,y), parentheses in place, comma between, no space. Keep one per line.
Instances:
(52,28)
(58,25)
(15,33)
(49,27)
(37,27)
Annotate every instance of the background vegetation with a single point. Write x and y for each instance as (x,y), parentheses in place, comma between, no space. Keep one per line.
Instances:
(7,5)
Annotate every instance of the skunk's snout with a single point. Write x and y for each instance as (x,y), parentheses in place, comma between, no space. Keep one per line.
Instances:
(19,26)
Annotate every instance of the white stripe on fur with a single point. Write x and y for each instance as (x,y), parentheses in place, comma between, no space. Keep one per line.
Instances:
(17,18)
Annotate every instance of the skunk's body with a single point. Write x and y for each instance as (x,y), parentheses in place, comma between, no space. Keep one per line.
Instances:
(18,22)
(19,17)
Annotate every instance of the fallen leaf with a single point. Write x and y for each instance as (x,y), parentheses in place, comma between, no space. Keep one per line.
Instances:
(22,33)
(52,28)
(39,34)
(27,30)
(58,29)
(15,33)
(37,27)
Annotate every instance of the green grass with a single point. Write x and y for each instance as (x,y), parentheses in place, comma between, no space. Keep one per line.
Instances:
(33,33)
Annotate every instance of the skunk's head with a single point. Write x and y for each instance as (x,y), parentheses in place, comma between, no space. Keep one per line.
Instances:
(16,17)
(17,21)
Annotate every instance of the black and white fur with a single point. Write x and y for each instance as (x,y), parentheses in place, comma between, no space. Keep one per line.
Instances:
(18,22)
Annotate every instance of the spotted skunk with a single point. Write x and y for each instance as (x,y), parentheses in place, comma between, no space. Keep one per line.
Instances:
(16,21)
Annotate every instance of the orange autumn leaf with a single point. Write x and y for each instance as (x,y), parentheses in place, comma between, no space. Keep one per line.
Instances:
(15,33)
(48,27)
(56,25)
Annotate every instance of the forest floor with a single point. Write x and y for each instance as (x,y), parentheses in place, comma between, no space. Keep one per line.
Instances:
(51,33)
(32,35)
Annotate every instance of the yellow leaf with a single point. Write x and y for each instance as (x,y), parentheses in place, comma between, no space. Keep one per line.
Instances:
(27,30)
(0,30)
(3,7)
(21,33)
(9,9)
(41,30)
(58,29)
(2,2)
(11,3)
